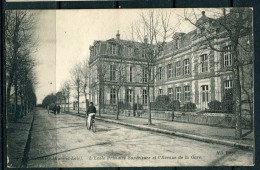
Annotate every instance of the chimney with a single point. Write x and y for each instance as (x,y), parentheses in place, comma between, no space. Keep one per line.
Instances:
(145,39)
(203,13)
(118,35)
(224,11)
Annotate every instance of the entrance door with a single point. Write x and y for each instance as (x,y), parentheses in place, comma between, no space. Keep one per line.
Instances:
(204,96)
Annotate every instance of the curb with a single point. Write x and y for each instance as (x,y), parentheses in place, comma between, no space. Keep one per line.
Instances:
(180,134)
(184,135)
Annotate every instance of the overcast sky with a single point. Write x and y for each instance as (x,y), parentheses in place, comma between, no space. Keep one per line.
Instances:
(65,37)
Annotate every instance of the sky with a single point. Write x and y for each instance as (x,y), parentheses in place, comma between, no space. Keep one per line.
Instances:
(65,36)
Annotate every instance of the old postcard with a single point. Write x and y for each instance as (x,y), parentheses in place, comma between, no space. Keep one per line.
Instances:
(129,87)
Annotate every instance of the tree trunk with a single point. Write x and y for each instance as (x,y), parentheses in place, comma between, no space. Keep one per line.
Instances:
(86,100)
(68,104)
(100,98)
(117,105)
(8,93)
(148,96)
(149,105)
(22,106)
(78,102)
(26,107)
(15,101)
(237,105)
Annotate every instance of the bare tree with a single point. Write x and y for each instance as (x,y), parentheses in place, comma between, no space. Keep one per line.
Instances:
(233,26)
(153,30)
(85,81)
(21,43)
(77,81)
(65,90)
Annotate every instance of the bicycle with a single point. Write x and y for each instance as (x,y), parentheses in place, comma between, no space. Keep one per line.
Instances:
(92,123)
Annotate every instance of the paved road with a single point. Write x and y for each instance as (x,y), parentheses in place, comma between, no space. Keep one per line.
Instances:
(63,141)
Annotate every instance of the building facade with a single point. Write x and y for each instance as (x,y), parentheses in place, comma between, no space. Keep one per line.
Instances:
(193,67)
(118,65)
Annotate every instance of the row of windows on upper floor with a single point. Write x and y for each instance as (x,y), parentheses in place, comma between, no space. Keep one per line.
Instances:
(125,50)
(183,67)
(177,71)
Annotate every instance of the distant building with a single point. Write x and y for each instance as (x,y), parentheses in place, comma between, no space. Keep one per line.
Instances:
(188,70)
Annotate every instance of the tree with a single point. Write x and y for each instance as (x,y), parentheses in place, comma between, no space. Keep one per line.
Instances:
(77,81)
(234,26)
(59,97)
(65,89)
(21,43)
(48,100)
(153,30)
(85,78)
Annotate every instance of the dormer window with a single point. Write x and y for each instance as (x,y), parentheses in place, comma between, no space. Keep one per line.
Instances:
(112,49)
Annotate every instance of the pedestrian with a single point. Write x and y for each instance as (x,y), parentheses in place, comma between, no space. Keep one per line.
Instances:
(48,107)
(172,114)
(58,109)
(55,109)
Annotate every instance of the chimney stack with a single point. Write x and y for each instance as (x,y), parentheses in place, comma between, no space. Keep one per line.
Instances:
(118,35)
(203,13)
(145,39)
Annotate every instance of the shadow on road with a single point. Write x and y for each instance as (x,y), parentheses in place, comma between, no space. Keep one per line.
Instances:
(54,128)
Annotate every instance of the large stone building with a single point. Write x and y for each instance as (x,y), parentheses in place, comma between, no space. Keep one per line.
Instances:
(191,68)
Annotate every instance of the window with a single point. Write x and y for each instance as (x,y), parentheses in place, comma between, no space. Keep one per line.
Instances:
(129,51)
(178,93)
(204,63)
(186,66)
(170,71)
(170,93)
(228,84)
(178,68)
(205,93)
(160,73)
(112,72)
(95,51)
(113,49)
(129,95)
(186,93)
(131,74)
(160,91)
(227,56)
(145,75)
(144,55)
(144,96)
(112,96)
(177,43)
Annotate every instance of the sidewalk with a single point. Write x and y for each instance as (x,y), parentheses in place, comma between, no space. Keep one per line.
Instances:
(204,133)
(17,135)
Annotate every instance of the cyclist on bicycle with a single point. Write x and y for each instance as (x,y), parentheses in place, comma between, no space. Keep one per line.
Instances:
(91,112)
